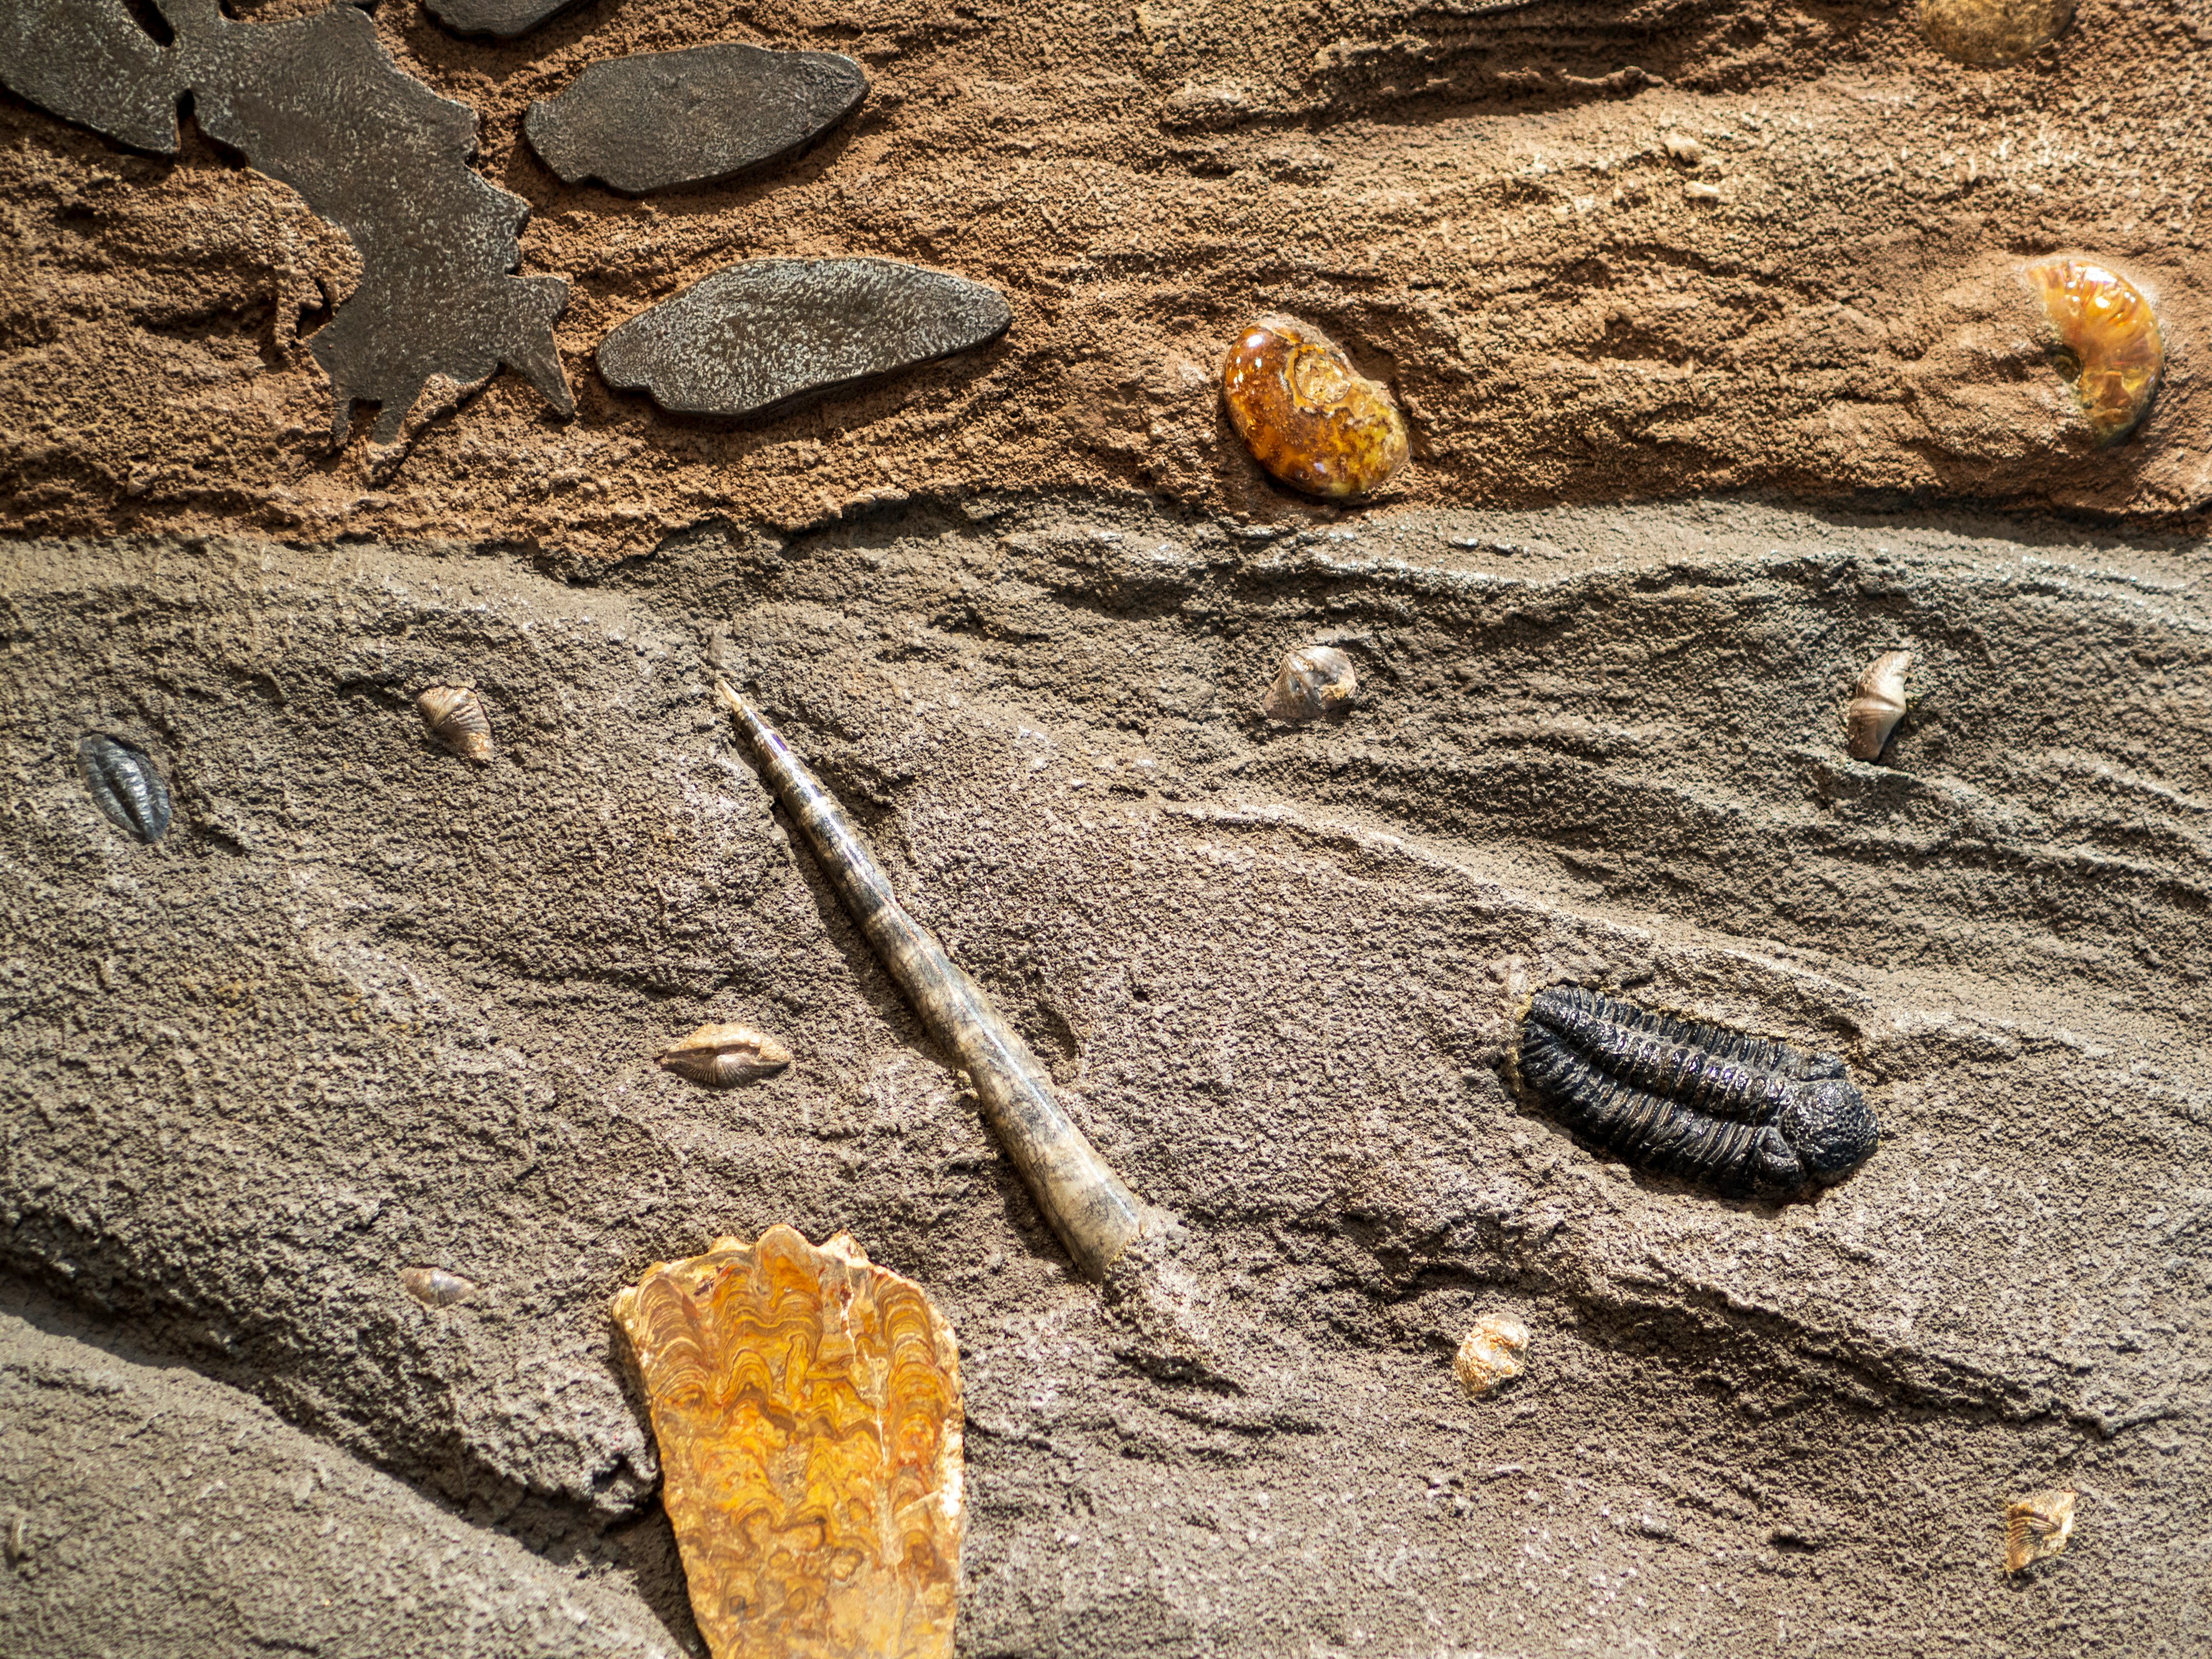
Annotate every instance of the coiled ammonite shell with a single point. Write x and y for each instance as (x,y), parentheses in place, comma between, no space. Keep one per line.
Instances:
(1314,680)
(2106,325)
(1877,704)
(806,1405)
(2037,1527)
(456,718)
(1991,33)
(1306,414)
(125,785)
(1677,1097)
(721,1055)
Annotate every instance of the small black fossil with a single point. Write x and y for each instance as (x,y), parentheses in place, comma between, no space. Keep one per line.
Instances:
(1676,1097)
(124,785)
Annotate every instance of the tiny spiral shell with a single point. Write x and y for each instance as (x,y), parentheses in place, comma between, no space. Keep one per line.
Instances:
(2037,1527)
(1877,704)
(455,716)
(721,1055)
(1307,415)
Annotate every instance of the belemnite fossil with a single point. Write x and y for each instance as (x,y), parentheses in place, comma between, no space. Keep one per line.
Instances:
(656,120)
(1307,415)
(124,785)
(2108,340)
(1679,1098)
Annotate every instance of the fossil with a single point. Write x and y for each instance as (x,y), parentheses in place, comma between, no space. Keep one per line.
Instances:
(433,1287)
(1677,1097)
(2037,1527)
(1991,34)
(1306,414)
(806,1406)
(724,1055)
(504,18)
(124,785)
(1877,704)
(2109,340)
(455,716)
(1490,1354)
(1314,680)
(1094,1214)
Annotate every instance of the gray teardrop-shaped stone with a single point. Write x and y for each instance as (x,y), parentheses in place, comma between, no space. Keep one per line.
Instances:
(124,785)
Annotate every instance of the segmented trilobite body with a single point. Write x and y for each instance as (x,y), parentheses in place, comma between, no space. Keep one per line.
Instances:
(1678,1097)
(124,785)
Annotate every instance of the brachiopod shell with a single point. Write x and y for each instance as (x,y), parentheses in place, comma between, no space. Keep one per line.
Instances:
(433,1287)
(455,716)
(1991,33)
(1307,415)
(1491,1353)
(124,785)
(1314,680)
(2037,1527)
(721,1055)
(1877,704)
(2106,325)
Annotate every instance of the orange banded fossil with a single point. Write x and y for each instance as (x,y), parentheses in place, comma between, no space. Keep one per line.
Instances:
(2106,328)
(1307,415)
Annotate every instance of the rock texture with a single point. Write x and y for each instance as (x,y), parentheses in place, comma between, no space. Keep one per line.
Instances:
(663,118)
(771,332)
(504,18)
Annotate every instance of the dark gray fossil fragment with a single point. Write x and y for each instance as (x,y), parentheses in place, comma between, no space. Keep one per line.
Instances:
(1732,1111)
(317,103)
(658,120)
(771,331)
(503,18)
(124,785)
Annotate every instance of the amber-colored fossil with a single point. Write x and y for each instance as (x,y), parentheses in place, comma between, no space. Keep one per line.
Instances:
(2037,1527)
(1991,33)
(1306,414)
(2106,328)
(1490,1354)
(806,1404)
(720,1055)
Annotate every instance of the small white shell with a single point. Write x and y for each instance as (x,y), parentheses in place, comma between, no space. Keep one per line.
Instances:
(1314,680)
(456,718)
(720,1055)
(1491,1353)
(2037,1527)
(1877,704)
(433,1287)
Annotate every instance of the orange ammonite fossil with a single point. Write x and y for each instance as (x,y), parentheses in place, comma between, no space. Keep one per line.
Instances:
(1307,415)
(2105,325)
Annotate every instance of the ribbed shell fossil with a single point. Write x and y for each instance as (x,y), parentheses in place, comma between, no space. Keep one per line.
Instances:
(1490,1354)
(2106,326)
(720,1055)
(455,716)
(2037,1527)
(1877,704)
(1678,1097)
(1315,680)
(806,1406)
(1991,33)
(1306,414)
(433,1287)
(1094,1214)
(124,785)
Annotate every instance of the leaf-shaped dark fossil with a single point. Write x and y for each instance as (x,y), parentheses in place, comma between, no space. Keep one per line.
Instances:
(1674,1096)
(124,785)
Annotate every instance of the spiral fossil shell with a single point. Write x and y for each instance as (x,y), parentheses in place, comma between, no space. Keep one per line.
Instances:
(720,1055)
(806,1407)
(2106,327)
(1490,1354)
(1306,414)
(124,785)
(1877,704)
(2037,1527)
(1315,680)
(455,716)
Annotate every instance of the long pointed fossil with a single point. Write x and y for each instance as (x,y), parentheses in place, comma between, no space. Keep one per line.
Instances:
(1095,1215)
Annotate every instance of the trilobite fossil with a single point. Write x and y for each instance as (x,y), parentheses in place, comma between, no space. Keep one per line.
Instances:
(124,785)
(1731,1111)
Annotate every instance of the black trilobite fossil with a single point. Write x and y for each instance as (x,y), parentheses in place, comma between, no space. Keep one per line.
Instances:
(1732,1111)
(124,785)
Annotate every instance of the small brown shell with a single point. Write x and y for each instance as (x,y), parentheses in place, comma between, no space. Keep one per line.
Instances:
(720,1055)
(456,718)
(2037,1527)
(433,1287)
(1490,1354)
(1877,704)
(1315,680)
(1991,33)
(1307,415)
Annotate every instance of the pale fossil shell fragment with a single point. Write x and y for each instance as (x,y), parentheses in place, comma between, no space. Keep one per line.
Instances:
(720,1055)
(1315,680)
(1490,1354)
(2037,1527)
(456,718)
(1094,1214)
(1877,704)
(433,1287)
(124,785)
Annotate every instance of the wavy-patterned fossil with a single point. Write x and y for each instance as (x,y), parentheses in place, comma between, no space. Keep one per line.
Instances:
(1094,1214)
(1677,1097)
(124,785)
(806,1404)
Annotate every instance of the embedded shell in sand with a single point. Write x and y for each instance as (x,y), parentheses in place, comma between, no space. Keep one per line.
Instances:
(720,1055)
(806,1405)
(1490,1354)
(455,716)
